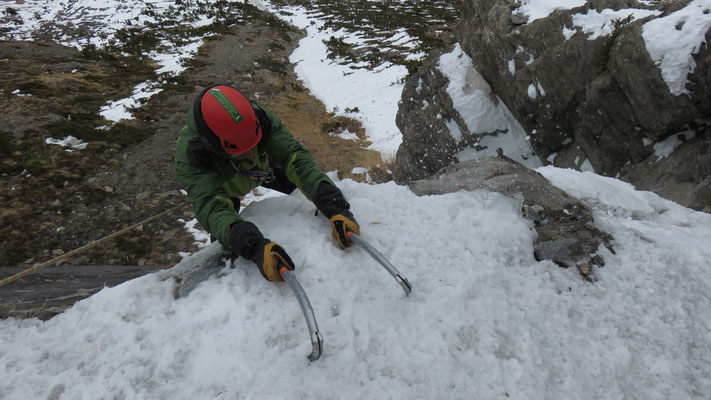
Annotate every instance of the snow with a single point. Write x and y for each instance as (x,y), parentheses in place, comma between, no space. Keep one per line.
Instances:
(69,141)
(673,40)
(484,317)
(258,194)
(482,111)
(531,91)
(454,130)
(202,238)
(587,166)
(597,24)
(345,134)
(665,147)
(362,171)
(121,109)
(540,89)
(537,9)
(568,33)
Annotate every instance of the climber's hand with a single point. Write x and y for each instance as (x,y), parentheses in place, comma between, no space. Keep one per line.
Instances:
(341,225)
(271,259)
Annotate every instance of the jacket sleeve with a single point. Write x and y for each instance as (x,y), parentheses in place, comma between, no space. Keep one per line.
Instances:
(213,207)
(292,157)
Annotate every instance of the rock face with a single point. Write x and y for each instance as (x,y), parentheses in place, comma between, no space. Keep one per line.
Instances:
(565,226)
(587,100)
(449,113)
(427,143)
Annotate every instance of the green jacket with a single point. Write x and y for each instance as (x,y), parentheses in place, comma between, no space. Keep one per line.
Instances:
(211,182)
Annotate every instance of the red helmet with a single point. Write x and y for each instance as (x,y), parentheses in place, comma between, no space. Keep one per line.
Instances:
(226,120)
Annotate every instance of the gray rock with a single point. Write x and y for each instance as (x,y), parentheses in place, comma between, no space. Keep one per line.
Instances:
(425,106)
(143,195)
(566,252)
(565,226)
(518,19)
(671,176)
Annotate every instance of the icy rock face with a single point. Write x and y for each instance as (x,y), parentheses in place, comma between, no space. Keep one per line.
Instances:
(449,113)
(427,144)
(566,231)
(589,94)
(606,94)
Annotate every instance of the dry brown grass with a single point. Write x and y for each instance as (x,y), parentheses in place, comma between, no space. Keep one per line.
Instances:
(307,118)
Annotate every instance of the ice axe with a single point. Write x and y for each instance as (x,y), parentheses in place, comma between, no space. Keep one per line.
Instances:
(382,260)
(316,339)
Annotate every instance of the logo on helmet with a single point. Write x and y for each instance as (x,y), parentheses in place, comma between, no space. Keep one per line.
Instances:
(225,102)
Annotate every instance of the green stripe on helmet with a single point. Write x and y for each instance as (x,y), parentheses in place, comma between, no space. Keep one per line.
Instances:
(229,107)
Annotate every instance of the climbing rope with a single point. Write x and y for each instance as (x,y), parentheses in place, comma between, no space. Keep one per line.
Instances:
(64,256)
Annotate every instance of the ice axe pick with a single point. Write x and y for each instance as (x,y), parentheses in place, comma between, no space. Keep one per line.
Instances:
(382,260)
(316,338)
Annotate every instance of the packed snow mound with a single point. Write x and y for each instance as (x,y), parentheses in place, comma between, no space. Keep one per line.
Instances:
(484,319)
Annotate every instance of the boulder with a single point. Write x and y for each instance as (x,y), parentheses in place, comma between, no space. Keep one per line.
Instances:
(566,230)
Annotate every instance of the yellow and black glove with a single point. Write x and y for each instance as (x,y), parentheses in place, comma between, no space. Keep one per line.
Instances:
(341,225)
(271,259)
(330,201)
(247,241)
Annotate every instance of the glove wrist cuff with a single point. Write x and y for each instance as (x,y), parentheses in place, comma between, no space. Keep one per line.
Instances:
(330,201)
(246,239)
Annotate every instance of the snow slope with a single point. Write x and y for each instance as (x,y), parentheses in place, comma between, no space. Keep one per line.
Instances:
(485,320)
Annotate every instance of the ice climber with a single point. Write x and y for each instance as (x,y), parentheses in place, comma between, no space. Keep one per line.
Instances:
(228,147)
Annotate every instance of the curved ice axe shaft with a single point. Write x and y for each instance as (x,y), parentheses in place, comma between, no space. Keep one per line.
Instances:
(316,339)
(383,261)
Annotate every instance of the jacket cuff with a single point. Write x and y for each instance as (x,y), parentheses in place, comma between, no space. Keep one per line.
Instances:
(246,239)
(330,201)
